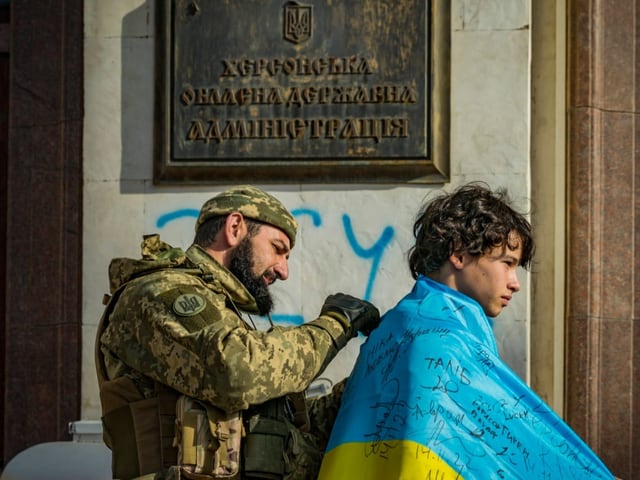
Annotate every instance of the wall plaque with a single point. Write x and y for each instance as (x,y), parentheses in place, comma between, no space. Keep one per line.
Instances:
(302,91)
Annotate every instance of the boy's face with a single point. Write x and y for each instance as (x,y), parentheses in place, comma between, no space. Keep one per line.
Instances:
(490,279)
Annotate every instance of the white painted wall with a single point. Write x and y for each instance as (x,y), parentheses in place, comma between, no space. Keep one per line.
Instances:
(352,238)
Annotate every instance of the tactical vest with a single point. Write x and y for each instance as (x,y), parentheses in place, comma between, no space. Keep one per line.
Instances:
(139,431)
(169,432)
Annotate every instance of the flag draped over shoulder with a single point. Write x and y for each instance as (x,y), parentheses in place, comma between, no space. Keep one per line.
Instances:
(429,398)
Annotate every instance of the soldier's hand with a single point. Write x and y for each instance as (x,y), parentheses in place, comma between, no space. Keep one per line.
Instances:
(356,315)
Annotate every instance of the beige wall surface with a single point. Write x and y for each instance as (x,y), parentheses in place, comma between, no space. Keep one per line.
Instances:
(353,238)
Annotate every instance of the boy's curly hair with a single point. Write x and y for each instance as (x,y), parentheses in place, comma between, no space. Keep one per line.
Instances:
(472,219)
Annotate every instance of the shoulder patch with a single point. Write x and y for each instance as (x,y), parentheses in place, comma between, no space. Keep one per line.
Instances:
(189,304)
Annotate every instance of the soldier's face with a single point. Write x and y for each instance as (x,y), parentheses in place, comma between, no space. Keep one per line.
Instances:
(271,248)
(260,260)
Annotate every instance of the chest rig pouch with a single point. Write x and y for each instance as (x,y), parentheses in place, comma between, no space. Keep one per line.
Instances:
(208,441)
(267,429)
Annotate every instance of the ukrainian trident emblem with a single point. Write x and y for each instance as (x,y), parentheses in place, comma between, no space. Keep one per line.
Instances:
(297,22)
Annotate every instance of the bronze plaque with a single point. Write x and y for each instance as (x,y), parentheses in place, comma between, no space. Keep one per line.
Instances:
(302,91)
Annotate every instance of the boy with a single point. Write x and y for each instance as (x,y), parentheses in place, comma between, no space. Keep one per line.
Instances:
(429,396)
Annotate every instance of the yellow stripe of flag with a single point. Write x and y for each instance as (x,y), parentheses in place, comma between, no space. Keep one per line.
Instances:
(393,459)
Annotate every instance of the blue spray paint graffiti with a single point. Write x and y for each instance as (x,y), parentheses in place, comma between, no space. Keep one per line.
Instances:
(175,215)
(375,252)
(315,216)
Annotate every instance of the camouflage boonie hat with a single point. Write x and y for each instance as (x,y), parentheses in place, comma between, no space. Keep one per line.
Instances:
(252,203)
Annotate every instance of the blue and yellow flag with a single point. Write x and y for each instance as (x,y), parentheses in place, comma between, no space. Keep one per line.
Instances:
(429,398)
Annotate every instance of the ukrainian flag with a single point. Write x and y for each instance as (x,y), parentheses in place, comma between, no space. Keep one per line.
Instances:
(429,398)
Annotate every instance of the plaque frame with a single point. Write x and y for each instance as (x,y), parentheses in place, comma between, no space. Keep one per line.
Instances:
(432,168)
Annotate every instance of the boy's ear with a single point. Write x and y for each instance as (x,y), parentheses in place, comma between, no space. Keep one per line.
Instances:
(457,260)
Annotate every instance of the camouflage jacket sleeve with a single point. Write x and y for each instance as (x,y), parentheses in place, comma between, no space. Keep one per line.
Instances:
(172,328)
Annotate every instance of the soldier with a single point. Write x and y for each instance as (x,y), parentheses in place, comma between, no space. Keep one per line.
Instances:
(188,388)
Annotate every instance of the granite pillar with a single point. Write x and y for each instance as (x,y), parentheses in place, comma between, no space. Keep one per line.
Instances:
(603,333)
(42,317)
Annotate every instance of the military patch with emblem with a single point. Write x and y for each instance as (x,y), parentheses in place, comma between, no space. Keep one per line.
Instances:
(189,304)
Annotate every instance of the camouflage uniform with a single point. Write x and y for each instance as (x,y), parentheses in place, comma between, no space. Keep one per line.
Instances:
(177,322)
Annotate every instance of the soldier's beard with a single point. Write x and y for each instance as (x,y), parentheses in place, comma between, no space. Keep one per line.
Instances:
(241,265)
